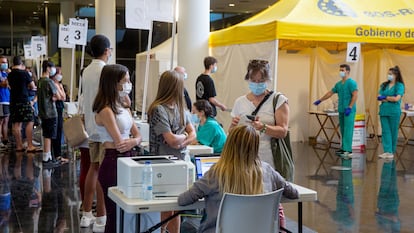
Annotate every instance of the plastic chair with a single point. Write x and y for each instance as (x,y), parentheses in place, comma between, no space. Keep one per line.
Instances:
(249,213)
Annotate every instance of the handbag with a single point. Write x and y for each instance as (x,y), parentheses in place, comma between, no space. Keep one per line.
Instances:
(281,148)
(74,131)
(282,152)
(74,127)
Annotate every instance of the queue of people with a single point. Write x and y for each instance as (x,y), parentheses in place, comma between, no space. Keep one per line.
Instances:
(246,153)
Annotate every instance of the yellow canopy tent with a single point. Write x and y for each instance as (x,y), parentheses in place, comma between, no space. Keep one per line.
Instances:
(303,24)
(381,21)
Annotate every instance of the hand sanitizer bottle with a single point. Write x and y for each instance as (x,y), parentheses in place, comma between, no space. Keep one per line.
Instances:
(191,168)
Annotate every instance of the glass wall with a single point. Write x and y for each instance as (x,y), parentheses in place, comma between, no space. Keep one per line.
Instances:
(20,20)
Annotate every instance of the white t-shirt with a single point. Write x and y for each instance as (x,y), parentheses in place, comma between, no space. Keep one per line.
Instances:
(90,85)
(243,106)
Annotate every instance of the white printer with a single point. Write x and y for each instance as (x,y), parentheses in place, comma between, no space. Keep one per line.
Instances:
(170,177)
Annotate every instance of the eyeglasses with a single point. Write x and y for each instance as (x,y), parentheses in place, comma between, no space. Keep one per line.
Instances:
(258,62)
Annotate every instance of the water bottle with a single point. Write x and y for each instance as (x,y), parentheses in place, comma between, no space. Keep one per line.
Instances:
(147,180)
(191,168)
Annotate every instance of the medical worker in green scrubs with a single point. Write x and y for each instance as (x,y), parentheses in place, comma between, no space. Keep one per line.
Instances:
(209,131)
(390,94)
(347,90)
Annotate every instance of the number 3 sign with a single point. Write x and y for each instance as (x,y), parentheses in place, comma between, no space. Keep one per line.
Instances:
(353,52)
(78,29)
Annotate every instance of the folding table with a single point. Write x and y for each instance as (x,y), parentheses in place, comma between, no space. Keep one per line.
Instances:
(327,137)
(406,129)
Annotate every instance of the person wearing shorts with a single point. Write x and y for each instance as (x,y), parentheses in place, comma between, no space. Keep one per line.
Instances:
(100,49)
(4,101)
(47,94)
(20,106)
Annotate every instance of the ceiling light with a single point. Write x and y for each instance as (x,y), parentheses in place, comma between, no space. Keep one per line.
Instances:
(232,5)
(45,1)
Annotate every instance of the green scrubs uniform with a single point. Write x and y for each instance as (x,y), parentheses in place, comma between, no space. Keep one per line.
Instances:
(212,134)
(346,123)
(390,113)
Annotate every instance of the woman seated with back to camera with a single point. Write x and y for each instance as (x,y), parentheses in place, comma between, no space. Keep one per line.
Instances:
(240,171)
(209,131)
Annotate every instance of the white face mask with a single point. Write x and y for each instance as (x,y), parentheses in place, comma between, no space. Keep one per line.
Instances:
(58,77)
(185,76)
(126,89)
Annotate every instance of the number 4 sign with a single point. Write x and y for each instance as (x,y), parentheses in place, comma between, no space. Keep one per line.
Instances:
(78,29)
(353,52)
(64,37)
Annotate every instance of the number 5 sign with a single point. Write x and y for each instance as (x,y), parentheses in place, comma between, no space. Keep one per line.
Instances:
(78,29)
(353,52)
(38,46)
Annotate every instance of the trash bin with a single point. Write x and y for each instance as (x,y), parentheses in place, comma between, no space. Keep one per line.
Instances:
(359,137)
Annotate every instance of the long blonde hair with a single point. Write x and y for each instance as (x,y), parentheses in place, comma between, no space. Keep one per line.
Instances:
(170,91)
(239,169)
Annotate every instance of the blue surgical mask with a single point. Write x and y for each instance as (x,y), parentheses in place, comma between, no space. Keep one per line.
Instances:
(214,70)
(342,74)
(257,88)
(52,71)
(195,119)
(4,66)
(390,77)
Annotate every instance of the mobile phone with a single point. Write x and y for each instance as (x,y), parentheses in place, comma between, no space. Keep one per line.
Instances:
(251,117)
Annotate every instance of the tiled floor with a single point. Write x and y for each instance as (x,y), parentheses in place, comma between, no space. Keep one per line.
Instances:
(354,195)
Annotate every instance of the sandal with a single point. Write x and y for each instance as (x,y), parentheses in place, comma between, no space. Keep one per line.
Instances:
(35,149)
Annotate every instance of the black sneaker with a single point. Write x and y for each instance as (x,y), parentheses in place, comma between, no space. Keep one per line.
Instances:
(50,164)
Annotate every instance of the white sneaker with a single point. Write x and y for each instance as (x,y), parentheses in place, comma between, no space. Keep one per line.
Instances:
(87,221)
(35,143)
(2,146)
(346,155)
(24,144)
(386,156)
(98,227)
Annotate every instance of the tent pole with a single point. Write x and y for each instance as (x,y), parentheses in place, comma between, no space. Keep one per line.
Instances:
(276,63)
(147,63)
(72,67)
(174,26)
